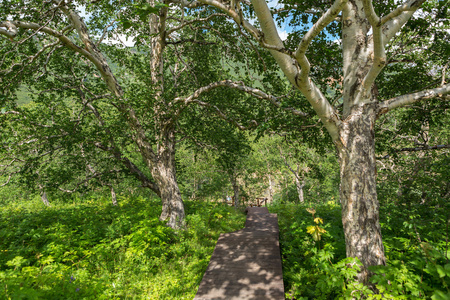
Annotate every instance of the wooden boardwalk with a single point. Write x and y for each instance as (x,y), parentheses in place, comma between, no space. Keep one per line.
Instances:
(246,264)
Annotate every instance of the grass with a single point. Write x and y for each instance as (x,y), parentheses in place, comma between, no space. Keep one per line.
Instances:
(93,250)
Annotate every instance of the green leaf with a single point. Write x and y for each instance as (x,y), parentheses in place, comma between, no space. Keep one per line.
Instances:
(17,262)
(126,24)
(447,269)
(440,270)
(439,295)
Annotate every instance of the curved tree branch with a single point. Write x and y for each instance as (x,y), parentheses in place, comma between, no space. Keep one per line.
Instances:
(241,87)
(95,56)
(325,19)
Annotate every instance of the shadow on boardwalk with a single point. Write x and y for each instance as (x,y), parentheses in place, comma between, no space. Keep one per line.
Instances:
(246,264)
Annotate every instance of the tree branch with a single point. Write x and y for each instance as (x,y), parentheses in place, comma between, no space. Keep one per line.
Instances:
(182,41)
(95,56)
(10,31)
(425,147)
(403,100)
(105,31)
(146,182)
(88,178)
(415,149)
(188,4)
(288,165)
(398,17)
(186,23)
(379,59)
(241,87)
(324,20)
(289,67)
(100,60)
(7,181)
(405,7)
(236,16)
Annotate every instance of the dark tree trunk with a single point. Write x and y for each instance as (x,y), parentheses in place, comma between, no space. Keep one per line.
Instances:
(358,192)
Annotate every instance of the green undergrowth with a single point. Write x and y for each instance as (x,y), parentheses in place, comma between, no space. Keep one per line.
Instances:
(93,250)
(315,265)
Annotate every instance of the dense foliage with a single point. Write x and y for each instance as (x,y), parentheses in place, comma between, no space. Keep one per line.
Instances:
(84,247)
(416,242)
(89,249)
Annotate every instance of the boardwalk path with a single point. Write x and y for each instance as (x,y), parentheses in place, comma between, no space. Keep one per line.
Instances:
(246,264)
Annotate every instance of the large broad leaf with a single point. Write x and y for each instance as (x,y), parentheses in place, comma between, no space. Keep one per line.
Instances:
(439,295)
(447,269)
(441,271)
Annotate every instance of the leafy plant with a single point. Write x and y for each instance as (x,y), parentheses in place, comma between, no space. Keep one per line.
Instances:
(90,249)
(316,231)
(417,257)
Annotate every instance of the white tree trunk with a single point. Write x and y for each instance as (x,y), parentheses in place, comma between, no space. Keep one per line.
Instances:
(300,186)
(270,182)
(172,204)
(164,173)
(45,199)
(113,196)
(270,189)
(358,191)
(235,185)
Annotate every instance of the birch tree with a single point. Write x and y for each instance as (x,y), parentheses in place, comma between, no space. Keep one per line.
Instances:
(92,89)
(368,36)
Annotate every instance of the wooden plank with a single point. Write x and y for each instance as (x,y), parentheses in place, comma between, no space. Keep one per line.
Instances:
(246,264)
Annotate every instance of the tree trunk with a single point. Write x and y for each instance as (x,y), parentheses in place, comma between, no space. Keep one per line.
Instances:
(270,189)
(358,193)
(163,166)
(45,199)
(235,185)
(43,195)
(113,196)
(172,204)
(300,186)
(164,173)
(270,183)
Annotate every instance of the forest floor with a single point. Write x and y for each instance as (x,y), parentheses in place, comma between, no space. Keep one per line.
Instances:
(90,249)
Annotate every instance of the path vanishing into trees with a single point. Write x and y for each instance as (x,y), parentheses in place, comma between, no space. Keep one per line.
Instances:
(246,264)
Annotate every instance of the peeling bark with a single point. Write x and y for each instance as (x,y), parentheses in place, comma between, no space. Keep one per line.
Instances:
(164,173)
(163,164)
(358,192)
